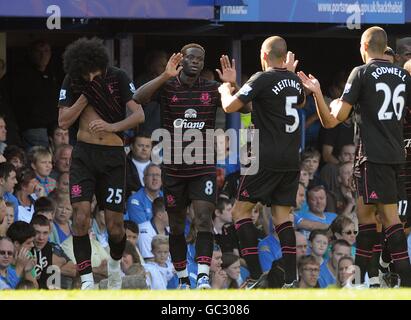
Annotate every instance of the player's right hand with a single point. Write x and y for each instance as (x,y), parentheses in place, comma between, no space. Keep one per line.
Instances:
(173,67)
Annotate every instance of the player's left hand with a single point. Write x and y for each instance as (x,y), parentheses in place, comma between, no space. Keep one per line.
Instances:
(227,72)
(290,63)
(226,89)
(99,125)
(310,82)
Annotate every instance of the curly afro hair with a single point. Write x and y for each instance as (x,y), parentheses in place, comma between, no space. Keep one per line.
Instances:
(84,56)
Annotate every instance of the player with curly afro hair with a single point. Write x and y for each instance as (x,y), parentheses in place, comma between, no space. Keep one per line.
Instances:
(85,56)
(97,96)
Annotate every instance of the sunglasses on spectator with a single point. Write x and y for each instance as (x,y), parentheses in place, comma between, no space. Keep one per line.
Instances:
(3,253)
(351,232)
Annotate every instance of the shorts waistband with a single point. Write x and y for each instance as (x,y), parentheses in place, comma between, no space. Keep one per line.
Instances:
(98,146)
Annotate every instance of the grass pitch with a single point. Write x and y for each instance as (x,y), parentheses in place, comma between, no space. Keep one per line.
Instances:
(267,294)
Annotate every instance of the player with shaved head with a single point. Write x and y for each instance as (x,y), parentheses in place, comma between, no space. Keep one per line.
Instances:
(275,93)
(381,94)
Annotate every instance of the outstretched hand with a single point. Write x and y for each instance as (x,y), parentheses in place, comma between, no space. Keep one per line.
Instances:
(173,66)
(227,72)
(309,82)
(290,63)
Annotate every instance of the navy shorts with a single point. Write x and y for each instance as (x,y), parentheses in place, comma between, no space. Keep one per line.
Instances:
(100,170)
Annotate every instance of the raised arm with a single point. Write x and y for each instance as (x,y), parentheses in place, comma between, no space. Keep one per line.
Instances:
(144,93)
(330,116)
(68,115)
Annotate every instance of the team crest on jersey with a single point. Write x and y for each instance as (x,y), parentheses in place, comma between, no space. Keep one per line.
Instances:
(190,114)
(76,191)
(174,99)
(245,194)
(205,98)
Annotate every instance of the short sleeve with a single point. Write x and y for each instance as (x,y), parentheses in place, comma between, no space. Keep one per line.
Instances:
(251,88)
(127,88)
(66,97)
(352,87)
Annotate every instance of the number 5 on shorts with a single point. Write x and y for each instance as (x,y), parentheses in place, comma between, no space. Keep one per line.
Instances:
(118,196)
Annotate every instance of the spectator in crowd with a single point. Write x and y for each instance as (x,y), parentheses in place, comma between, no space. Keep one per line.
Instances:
(222,219)
(158,225)
(318,244)
(41,162)
(328,271)
(301,198)
(49,255)
(155,62)
(342,200)
(9,213)
(61,161)
(98,227)
(317,201)
(261,217)
(130,259)
(310,162)
(26,194)
(22,234)
(139,204)
(7,183)
(10,276)
(63,185)
(329,172)
(137,161)
(308,271)
(304,176)
(344,228)
(269,249)
(57,137)
(46,207)
(231,266)
(3,136)
(16,156)
(346,277)
(160,270)
(4,225)
(132,233)
(62,222)
(35,107)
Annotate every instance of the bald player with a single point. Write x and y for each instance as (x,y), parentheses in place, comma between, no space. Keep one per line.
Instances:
(381,93)
(403,48)
(275,94)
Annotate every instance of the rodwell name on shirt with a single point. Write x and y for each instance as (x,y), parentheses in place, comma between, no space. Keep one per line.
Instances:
(392,70)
